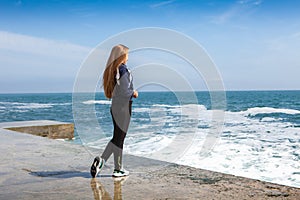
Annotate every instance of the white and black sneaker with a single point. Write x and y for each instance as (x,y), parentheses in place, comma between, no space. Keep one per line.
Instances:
(120,173)
(97,166)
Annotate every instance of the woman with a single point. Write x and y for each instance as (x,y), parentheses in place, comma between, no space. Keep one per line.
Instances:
(117,84)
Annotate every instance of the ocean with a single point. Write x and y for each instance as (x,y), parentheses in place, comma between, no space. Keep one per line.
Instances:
(260,138)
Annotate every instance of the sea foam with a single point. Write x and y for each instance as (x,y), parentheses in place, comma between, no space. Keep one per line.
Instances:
(268,110)
(97,102)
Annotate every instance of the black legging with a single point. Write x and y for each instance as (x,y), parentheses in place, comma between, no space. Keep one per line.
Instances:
(120,133)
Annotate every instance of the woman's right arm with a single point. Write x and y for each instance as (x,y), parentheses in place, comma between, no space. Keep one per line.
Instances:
(135,94)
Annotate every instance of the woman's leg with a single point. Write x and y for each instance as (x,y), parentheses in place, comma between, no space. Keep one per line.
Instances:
(107,151)
(117,141)
(120,130)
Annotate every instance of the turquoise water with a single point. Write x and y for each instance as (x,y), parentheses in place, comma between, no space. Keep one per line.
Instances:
(52,106)
(260,138)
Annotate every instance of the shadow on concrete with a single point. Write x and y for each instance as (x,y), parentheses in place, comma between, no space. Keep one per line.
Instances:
(63,174)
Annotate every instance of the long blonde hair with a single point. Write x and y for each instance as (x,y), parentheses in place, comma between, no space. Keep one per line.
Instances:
(117,56)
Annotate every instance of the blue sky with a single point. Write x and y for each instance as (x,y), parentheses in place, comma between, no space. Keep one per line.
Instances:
(254,43)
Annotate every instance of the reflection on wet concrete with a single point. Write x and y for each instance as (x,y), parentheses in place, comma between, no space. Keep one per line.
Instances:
(99,191)
(101,194)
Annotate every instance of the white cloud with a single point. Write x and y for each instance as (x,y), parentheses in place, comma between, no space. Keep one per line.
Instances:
(226,16)
(32,64)
(251,2)
(18,3)
(238,9)
(41,46)
(163,3)
(257,2)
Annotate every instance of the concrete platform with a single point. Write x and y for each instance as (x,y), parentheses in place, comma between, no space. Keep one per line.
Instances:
(44,128)
(34,167)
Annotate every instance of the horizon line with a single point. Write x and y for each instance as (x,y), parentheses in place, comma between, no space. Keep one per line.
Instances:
(149,91)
